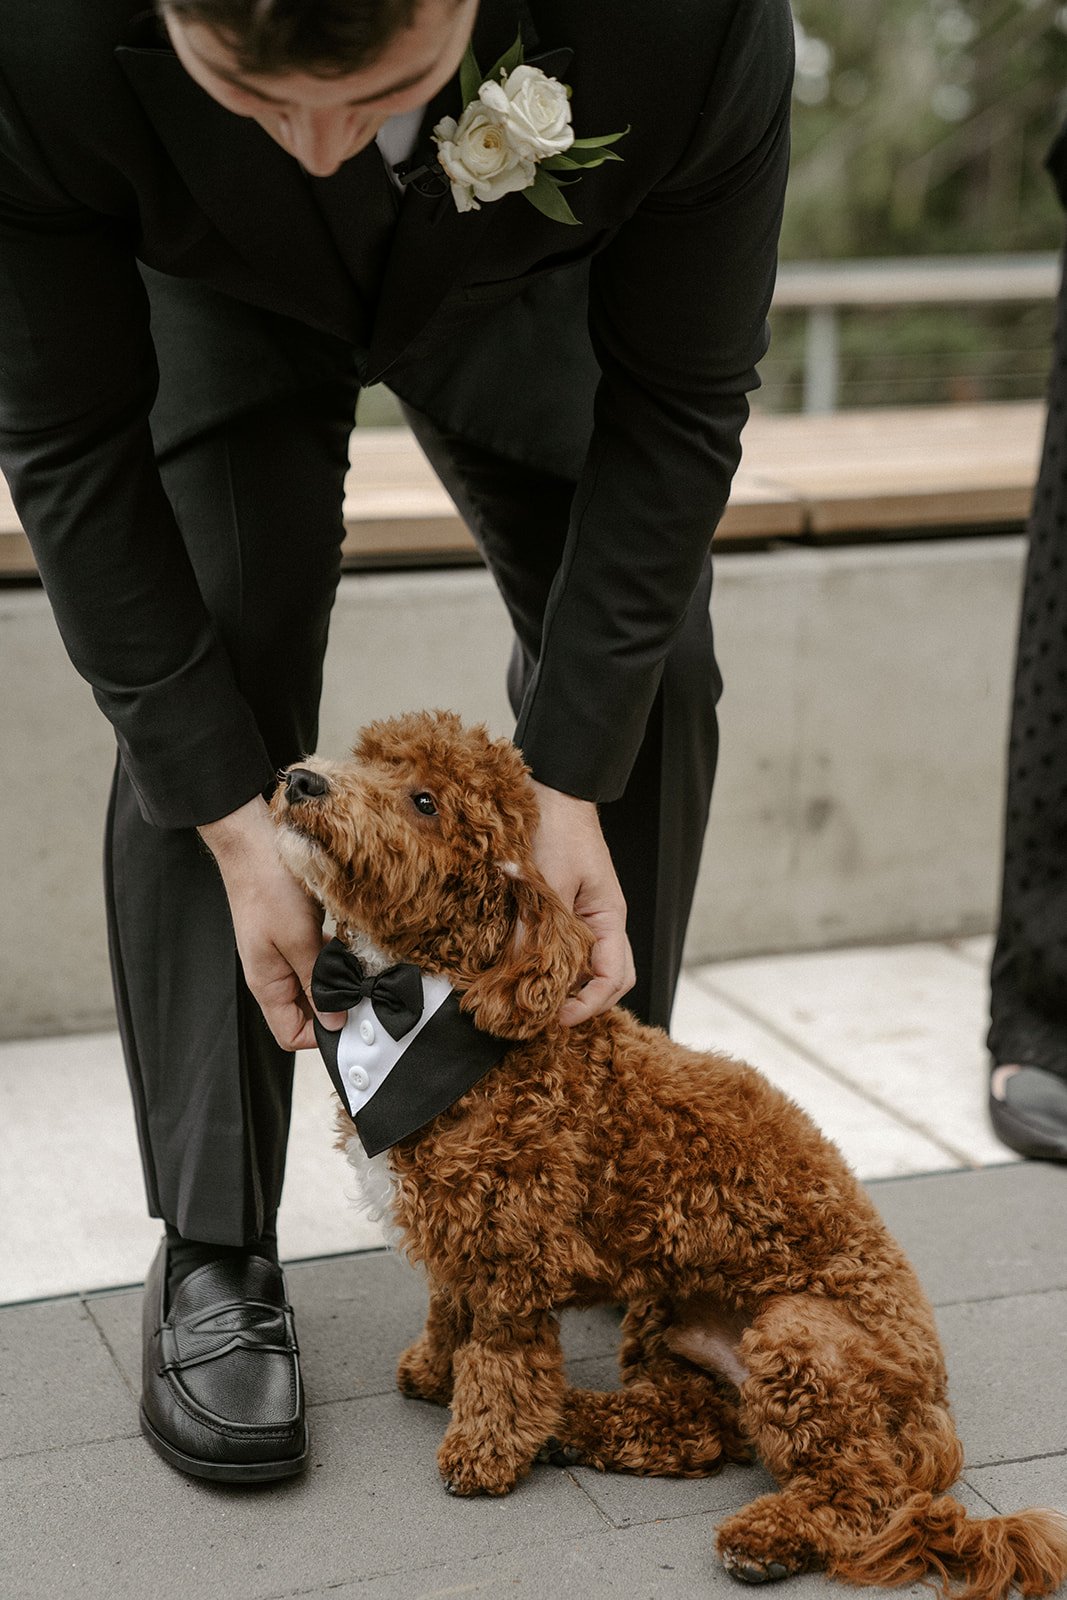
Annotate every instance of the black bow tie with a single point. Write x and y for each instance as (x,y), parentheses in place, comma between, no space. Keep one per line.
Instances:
(339,983)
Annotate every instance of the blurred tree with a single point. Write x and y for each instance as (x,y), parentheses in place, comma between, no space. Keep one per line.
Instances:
(920,126)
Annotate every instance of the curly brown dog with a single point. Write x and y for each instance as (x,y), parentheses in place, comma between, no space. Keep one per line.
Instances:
(769,1311)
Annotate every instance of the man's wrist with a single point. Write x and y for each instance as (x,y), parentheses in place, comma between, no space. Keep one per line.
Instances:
(550,797)
(233,836)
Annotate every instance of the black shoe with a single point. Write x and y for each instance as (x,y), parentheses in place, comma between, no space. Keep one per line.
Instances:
(222,1396)
(1028,1110)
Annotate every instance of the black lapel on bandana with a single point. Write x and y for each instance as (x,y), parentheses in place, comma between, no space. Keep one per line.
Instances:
(446,1058)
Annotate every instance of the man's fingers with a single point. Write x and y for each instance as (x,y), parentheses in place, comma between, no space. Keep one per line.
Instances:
(289,1024)
(600,994)
(614,976)
(285,1000)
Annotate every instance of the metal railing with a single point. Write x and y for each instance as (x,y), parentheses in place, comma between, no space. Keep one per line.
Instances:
(823,289)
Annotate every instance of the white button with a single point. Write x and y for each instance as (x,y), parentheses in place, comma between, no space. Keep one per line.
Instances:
(358,1078)
(366,1031)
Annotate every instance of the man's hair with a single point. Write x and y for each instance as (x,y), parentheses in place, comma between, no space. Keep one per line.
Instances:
(329,38)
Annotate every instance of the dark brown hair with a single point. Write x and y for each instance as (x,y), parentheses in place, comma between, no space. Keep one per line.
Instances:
(329,38)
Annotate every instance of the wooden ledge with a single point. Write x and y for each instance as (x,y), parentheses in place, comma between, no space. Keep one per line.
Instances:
(862,474)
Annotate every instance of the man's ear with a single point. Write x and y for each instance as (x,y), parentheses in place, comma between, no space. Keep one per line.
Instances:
(546,959)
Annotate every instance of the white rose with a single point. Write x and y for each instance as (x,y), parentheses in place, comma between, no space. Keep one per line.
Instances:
(535,110)
(481,161)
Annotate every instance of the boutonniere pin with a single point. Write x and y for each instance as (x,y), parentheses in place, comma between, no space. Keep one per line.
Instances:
(514,135)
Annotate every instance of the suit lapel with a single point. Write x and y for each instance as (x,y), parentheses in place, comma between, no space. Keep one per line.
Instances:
(434,242)
(286,231)
(254,193)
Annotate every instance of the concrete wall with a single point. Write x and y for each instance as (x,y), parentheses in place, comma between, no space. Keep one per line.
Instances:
(859,789)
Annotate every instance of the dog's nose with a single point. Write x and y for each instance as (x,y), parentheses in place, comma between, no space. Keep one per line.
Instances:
(303,784)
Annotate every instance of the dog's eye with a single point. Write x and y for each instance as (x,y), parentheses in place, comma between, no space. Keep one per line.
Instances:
(424,802)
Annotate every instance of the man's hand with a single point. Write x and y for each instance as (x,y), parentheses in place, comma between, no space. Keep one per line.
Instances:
(570,851)
(278,928)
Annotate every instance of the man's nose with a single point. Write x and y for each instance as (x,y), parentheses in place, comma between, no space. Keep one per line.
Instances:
(320,140)
(303,784)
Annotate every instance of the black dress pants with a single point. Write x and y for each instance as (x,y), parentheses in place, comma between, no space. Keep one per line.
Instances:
(259,504)
(1029,973)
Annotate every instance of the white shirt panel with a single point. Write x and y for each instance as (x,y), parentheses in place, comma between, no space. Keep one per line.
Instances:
(367,1053)
(396,139)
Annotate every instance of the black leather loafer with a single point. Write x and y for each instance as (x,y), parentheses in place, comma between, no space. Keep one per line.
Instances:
(222,1396)
(1028,1110)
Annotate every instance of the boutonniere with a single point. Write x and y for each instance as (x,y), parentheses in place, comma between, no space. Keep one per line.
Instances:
(514,134)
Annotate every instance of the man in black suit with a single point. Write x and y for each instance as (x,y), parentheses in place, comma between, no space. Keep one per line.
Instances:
(203,256)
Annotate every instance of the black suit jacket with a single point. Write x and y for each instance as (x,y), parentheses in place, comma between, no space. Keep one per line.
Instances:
(500,323)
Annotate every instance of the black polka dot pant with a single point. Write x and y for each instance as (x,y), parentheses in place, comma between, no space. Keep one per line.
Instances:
(1029,974)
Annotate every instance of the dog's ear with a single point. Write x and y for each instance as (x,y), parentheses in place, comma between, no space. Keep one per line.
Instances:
(547,958)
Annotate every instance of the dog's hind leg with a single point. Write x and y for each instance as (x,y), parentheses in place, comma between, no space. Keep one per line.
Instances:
(425,1369)
(668,1420)
(831,1412)
(676,1426)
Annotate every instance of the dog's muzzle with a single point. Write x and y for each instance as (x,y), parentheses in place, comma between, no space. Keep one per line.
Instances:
(302,784)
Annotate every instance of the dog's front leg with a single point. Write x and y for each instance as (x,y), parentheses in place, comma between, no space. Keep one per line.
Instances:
(425,1368)
(508,1385)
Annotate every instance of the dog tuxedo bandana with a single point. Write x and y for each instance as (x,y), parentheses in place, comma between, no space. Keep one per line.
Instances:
(405,1054)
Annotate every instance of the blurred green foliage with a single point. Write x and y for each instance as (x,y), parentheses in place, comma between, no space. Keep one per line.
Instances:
(920,126)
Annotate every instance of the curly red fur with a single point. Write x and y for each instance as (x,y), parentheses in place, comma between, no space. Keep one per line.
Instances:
(607,1163)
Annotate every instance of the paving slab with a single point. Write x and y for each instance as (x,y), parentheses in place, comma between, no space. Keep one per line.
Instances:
(111,1522)
(905,1025)
(874,1142)
(354,1316)
(977,1235)
(76,1220)
(1006,1361)
(89,1509)
(978,949)
(58,1384)
(1017,1484)
(80,1223)
(669,1560)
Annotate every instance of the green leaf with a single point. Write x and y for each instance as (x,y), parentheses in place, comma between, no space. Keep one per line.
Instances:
(583,159)
(598,143)
(470,77)
(546,195)
(507,63)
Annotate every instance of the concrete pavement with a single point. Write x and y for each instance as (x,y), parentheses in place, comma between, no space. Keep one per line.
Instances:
(882,1045)
(90,1510)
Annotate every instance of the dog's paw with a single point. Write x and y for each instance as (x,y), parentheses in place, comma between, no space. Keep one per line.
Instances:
(747,1570)
(424,1378)
(772,1538)
(466,1472)
(555,1454)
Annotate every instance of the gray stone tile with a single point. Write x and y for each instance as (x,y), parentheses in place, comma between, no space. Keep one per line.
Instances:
(118,1317)
(58,1385)
(628,1500)
(974,1235)
(1006,1365)
(673,1560)
(1014,1485)
(354,1316)
(112,1522)
(593,1333)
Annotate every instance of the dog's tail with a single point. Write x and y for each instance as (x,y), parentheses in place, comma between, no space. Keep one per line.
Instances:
(989,1556)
